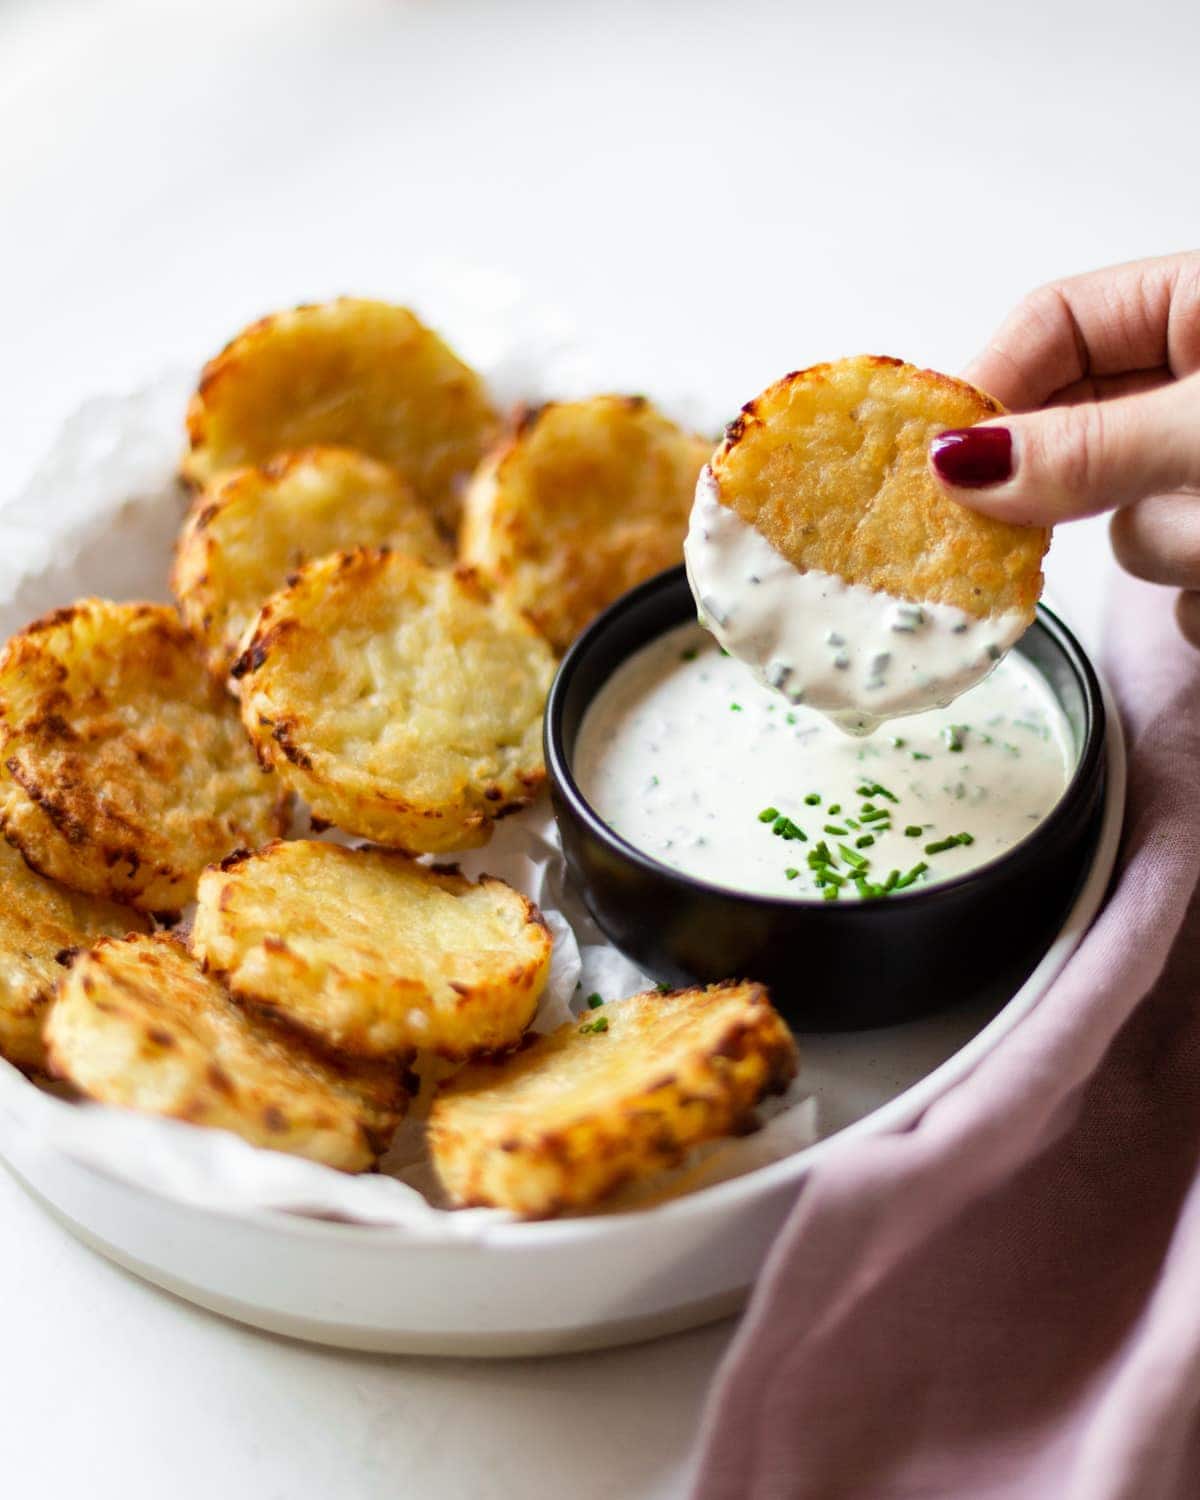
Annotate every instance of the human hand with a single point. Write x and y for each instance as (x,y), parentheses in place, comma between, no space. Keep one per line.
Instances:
(1102,372)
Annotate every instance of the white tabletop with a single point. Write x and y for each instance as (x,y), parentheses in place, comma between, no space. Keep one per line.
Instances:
(720,190)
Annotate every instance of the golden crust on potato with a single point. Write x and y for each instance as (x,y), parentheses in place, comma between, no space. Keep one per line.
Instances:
(351,374)
(41,926)
(127,770)
(372,953)
(586,499)
(247,533)
(136,1024)
(402,702)
(610,1098)
(831,465)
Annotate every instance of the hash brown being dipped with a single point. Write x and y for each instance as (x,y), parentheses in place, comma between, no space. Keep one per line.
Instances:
(137,1025)
(353,374)
(372,953)
(830,464)
(403,702)
(250,530)
(126,769)
(41,925)
(610,1098)
(584,500)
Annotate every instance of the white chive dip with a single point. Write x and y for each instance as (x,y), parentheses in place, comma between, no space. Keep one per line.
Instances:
(861,656)
(705,769)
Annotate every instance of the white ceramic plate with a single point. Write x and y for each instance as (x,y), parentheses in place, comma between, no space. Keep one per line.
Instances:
(545,1287)
(517,1288)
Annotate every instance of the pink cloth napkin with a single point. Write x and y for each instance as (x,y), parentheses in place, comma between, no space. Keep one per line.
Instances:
(1004,1299)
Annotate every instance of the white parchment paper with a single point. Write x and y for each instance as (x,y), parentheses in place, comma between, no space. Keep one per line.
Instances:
(100,517)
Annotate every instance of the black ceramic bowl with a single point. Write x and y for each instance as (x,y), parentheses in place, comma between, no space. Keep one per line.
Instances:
(830,965)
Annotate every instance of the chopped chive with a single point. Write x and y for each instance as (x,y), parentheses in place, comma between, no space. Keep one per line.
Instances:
(791,873)
(654,781)
(853,858)
(882,791)
(812,800)
(835,829)
(920,755)
(875,815)
(689,655)
(790,718)
(831,877)
(834,808)
(868,807)
(954,735)
(892,881)
(599,1024)
(965,838)
(865,791)
(830,893)
(662,987)
(735,708)
(913,831)
(898,743)
(914,874)
(850,823)
(594,1001)
(768,815)
(941,846)
(865,842)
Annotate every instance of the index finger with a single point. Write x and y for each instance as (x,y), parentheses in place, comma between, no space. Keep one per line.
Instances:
(1144,315)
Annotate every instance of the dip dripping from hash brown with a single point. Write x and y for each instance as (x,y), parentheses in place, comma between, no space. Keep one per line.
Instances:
(830,465)
(610,1098)
(371,953)
(136,1024)
(126,770)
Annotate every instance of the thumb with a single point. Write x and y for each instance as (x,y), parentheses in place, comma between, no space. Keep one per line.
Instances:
(1070,461)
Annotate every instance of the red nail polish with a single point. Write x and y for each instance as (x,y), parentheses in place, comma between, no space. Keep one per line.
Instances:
(973,457)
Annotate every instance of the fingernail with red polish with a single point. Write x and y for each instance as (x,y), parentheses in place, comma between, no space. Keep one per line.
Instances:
(972,458)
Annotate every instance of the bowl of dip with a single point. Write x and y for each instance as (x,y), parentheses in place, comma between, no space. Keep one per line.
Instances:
(714,830)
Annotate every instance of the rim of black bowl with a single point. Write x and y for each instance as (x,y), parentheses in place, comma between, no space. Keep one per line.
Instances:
(558,766)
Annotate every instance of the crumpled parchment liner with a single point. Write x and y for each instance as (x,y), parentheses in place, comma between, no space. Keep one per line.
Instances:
(100,517)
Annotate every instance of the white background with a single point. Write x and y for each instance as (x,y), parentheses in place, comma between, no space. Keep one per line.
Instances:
(715,193)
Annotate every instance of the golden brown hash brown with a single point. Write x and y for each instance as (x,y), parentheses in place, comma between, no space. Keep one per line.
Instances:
(586,499)
(402,702)
(41,925)
(351,374)
(830,464)
(136,1024)
(247,532)
(610,1098)
(372,953)
(126,770)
